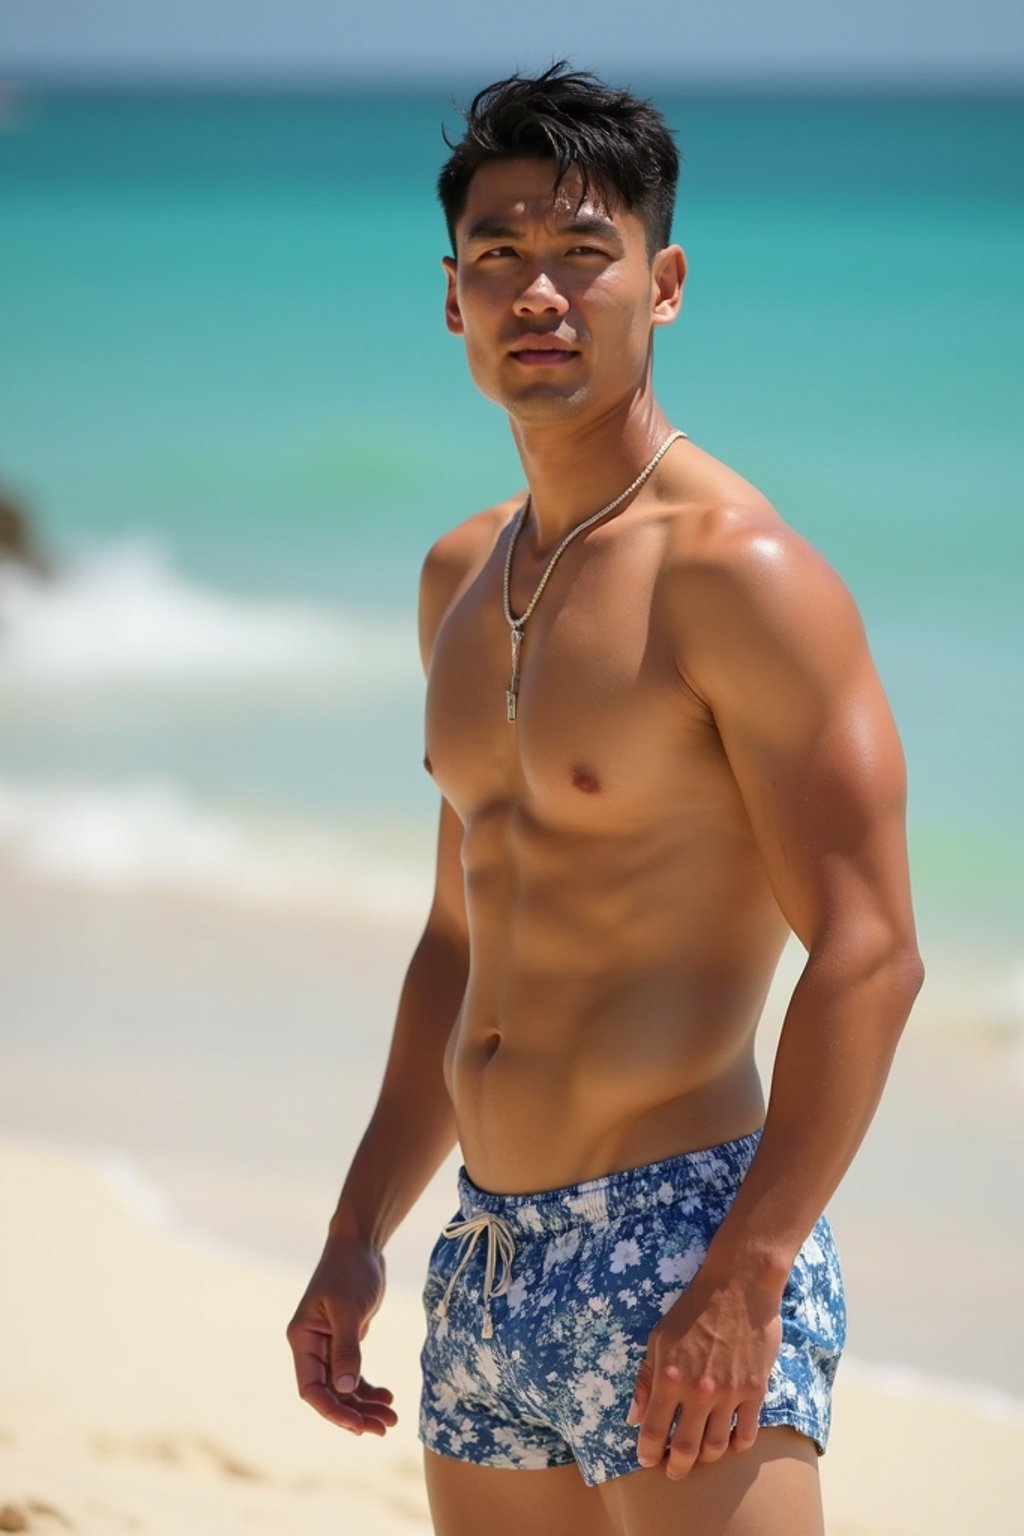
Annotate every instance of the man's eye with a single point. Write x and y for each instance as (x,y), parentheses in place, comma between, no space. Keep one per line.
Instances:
(497,251)
(587,250)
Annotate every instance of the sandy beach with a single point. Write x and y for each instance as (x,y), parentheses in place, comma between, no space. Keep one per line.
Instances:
(181,1084)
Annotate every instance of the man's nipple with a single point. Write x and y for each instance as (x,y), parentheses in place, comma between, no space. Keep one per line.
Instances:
(586,782)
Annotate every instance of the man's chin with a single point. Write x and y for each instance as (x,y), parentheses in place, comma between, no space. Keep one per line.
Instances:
(537,402)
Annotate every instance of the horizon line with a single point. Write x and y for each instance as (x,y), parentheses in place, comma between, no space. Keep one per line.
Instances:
(367,82)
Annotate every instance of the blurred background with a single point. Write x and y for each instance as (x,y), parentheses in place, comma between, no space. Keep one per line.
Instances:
(231,423)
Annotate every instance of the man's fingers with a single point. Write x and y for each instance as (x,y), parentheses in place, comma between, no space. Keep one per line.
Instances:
(716,1434)
(362,1415)
(641,1393)
(326,1403)
(346,1361)
(320,1364)
(310,1347)
(662,1404)
(688,1435)
(375,1394)
(689,1432)
(347,1415)
(327,1338)
(371,1403)
(745,1433)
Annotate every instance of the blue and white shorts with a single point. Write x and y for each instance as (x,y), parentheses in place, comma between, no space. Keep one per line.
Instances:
(539,1308)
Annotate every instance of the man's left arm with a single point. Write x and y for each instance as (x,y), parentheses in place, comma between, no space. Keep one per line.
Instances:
(774,646)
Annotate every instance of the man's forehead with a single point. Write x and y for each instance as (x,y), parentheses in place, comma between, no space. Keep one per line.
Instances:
(508,193)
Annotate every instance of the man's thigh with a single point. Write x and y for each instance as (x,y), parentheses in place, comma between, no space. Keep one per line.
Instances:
(468,1500)
(772,1489)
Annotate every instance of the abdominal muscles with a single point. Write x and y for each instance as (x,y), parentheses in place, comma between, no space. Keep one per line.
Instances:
(611,1006)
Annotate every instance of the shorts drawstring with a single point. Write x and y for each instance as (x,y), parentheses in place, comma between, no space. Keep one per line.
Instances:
(501,1245)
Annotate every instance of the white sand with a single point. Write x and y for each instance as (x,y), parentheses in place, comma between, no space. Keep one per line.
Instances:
(147,1385)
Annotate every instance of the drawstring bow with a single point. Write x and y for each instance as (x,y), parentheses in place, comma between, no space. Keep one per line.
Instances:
(501,1248)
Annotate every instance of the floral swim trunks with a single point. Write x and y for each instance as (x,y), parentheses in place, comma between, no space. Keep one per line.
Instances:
(539,1308)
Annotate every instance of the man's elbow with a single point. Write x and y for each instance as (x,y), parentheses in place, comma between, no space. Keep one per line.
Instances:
(876,958)
(896,967)
(907,970)
(917,970)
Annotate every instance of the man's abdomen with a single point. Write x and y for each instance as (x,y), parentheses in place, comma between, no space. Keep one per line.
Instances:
(615,987)
(554,1092)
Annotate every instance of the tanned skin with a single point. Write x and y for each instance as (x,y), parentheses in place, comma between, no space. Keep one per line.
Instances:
(703,760)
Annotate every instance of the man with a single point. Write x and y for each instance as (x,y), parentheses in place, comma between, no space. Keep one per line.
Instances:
(660,744)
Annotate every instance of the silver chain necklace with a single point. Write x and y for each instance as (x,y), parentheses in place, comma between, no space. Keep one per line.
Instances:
(517,625)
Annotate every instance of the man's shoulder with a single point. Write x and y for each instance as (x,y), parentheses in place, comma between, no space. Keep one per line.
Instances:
(741,548)
(753,600)
(468,544)
(717,519)
(454,558)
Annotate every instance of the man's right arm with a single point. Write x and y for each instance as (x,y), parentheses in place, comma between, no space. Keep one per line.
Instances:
(410,1133)
(412,1128)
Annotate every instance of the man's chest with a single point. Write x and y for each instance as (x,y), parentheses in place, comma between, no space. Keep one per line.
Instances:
(601,714)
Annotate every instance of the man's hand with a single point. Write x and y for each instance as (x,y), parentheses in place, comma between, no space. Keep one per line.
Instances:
(709,1358)
(329,1323)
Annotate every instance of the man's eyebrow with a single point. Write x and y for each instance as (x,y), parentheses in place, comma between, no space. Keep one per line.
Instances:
(592,224)
(489,228)
(493,229)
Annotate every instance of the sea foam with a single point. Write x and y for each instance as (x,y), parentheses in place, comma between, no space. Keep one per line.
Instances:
(123,615)
(152,834)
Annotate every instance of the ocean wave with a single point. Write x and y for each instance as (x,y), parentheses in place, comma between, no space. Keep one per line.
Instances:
(123,615)
(151,834)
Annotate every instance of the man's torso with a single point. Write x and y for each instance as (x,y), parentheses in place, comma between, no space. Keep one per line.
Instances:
(623,933)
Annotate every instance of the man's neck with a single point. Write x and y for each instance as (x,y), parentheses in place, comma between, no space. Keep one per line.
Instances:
(573,469)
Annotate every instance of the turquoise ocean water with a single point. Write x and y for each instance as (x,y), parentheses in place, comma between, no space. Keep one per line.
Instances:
(227,395)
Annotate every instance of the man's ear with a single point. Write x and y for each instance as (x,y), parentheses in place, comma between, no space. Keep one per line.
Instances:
(452,312)
(668,274)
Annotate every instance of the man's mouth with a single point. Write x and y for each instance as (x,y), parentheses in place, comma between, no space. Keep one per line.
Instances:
(543,352)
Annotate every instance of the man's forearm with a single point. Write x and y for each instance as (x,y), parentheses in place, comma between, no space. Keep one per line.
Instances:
(837,1043)
(412,1129)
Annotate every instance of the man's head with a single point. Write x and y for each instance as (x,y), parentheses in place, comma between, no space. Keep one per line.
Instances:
(559,203)
(618,144)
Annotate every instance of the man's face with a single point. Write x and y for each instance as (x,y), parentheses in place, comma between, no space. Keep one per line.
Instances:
(555,298)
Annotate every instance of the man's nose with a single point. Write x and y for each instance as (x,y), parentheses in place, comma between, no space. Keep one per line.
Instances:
(541,297)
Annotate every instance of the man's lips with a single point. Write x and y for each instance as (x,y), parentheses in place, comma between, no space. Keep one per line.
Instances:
(547,358)
(542,352)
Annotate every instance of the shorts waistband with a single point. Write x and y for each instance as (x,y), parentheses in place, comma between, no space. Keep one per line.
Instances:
(715,1170)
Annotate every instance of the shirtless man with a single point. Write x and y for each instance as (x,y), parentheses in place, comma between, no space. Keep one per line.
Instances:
(634,1319)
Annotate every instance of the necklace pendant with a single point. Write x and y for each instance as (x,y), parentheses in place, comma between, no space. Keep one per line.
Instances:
(513,682)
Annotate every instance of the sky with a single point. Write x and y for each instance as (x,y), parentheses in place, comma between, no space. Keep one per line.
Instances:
(809,41)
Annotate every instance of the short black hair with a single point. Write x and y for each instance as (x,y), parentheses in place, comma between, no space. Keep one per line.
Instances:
(620,145)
